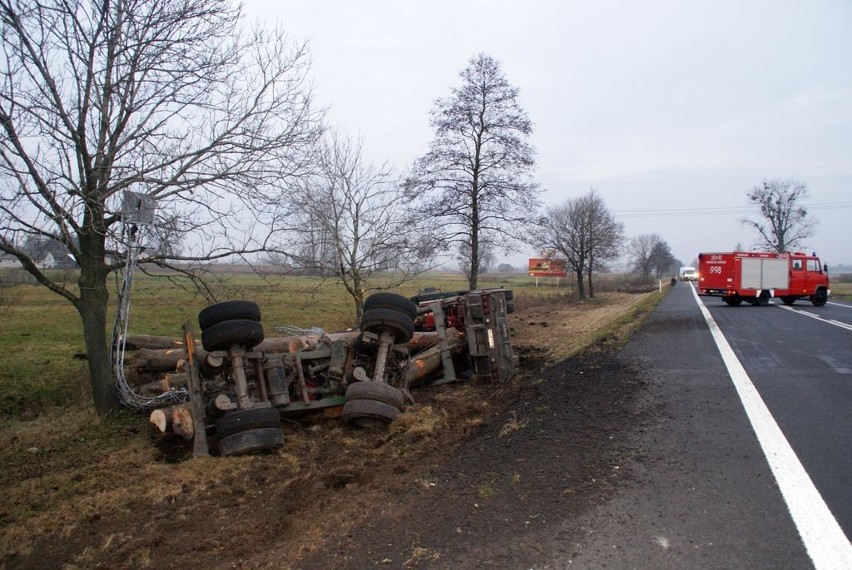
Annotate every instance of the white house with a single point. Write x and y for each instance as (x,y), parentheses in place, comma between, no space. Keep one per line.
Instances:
(46,261)
(8,261)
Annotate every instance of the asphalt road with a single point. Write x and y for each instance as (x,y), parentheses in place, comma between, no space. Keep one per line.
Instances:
(713,482)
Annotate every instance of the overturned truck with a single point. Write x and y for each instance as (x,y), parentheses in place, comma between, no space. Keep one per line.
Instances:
(241,384)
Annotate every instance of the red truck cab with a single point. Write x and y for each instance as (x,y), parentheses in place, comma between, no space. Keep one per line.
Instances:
(758,276)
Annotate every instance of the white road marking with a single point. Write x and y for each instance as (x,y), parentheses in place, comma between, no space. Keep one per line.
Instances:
(839,305)
(840,324)
(822,536)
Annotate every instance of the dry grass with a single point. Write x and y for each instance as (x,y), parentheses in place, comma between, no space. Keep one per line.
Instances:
(564,329)
(513,424)
(841,290)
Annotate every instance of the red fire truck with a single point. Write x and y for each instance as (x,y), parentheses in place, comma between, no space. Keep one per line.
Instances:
(756,277)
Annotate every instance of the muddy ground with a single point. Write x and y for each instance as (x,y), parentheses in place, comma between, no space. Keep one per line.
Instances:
(472,475)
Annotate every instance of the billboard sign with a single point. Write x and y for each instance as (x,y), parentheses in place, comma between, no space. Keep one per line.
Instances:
(542,267)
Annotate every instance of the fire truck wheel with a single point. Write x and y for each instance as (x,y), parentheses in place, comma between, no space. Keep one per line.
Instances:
(734,301)
(228,311)
(400,325)
(819,298)
(251,440)
(247,420)
(222,336)
(369,413)
(788,300)
(375,391)
(763,299)
(391,301)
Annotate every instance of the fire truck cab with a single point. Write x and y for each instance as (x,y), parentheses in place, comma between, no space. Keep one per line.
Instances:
(756,277)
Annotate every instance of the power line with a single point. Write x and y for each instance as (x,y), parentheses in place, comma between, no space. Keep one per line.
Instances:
(717,211)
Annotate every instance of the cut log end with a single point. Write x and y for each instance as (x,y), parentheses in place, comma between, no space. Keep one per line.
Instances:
(177,420)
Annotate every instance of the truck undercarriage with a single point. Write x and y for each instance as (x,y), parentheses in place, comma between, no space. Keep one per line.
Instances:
(238,384)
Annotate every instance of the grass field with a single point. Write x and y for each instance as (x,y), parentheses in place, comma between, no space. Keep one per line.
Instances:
(841,290)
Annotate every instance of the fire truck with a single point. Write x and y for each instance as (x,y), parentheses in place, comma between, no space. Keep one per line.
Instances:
(756,277)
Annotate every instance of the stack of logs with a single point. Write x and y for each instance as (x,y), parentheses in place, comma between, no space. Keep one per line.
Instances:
(164,357)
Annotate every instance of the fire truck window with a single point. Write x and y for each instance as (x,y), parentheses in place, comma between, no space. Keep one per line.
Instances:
(813,265)
(797,264)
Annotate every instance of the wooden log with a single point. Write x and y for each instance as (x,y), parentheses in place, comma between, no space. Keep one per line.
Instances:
(428,362)
(176,419)
(170,359)
(140,341)
(172,381)
(270,344)
(160,360)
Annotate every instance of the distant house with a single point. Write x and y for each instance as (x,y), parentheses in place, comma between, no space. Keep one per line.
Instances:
(66,261)
(46,261)
(8,261)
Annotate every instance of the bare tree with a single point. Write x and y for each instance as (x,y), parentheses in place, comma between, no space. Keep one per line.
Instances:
(564,230)
(641,249)
(662,261)
(475,179)
(355,226)
(167,98)
(785,222)
(584,233)
(606,236)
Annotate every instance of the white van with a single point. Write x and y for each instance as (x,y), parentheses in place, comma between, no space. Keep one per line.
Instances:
(688,274)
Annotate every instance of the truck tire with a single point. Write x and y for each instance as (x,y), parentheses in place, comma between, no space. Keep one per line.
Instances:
(228,311)
(391,301)
(251,440)
(400,325)
(734,301)
(375,391)
(369,413)
(788,300)
(762,299)
(247,420)
(819,298)
(222,336)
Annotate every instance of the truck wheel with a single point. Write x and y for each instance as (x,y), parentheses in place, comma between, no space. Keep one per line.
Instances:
(228,311)
(391,301)
(369,413)
(819,298)
(734,301)
(375,391)
(762,299)
(247,420)
(222,336)
(788,300)
(251,440)
(399,324)
(508,294)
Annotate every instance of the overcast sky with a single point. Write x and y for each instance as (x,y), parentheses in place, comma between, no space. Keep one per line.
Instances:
(671,110)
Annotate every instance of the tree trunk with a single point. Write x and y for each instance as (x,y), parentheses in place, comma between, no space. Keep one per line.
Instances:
(92,308)
(473,280)
(581,291)
(591,287)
